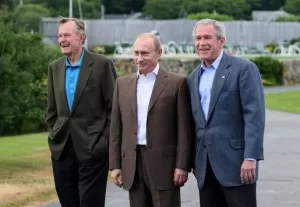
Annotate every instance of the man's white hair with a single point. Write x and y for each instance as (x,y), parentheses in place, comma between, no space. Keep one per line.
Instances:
(219,27)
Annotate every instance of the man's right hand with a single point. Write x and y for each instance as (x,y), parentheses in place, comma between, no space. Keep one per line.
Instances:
(116,177)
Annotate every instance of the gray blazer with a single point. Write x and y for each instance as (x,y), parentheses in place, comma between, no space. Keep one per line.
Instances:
(234,128)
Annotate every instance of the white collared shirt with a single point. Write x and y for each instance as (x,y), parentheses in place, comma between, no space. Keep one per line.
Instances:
(145,86)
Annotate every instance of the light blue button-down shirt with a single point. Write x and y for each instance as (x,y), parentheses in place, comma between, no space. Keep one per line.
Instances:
(72,73)
(207,75)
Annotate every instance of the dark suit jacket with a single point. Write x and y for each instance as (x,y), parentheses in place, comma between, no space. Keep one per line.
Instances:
(234,129)
(89,120)
(169,131)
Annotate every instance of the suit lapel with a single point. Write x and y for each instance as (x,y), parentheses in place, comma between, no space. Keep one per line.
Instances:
(219,80)
(62,82)
(132,89)
(84,74)
(160,83)
(196,94)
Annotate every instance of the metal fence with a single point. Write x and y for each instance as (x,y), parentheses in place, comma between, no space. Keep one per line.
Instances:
(107,32)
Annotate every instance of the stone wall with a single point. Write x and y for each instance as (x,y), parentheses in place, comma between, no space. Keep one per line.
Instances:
(291,70)
(177,65)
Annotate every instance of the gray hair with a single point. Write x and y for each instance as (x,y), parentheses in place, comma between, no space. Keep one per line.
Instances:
(219,27)
(80,27)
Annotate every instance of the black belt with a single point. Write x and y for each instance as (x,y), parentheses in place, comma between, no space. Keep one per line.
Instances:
(141,146)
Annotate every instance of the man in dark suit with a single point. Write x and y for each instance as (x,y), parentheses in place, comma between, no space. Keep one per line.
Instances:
(229,114)
(151,134)
(80,91)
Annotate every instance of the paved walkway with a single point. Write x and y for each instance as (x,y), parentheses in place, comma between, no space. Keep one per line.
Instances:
(279,178)
(278,89)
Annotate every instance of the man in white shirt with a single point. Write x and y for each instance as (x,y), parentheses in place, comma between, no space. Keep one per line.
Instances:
(150,145)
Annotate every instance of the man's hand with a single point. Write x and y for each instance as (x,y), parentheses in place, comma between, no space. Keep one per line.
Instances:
(180,177)
(116,177)
(248,171)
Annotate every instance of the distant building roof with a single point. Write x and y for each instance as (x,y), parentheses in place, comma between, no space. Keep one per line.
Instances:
(122,16)
(267,16)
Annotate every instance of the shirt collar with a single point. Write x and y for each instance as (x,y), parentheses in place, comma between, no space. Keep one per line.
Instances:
(155,71)
(216,63)
(79,62)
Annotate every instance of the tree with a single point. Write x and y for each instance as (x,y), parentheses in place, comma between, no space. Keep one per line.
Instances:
(90,8)
(254,4)
(137,5)
(292,6)
(238,9)
(11,4)
(191,6)
(271,5)
(163,9)
(28,16)
(123,6)
(23,61)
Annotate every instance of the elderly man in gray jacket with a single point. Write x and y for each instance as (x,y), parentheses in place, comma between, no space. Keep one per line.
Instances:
(228,107)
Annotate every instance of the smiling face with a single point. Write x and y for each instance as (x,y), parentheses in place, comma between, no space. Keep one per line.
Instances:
(146,54)
(69,39)
(208,45)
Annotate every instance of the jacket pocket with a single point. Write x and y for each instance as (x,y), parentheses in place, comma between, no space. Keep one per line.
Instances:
(91,87)
(56,126)
(165,100)
(55,130)
(237,143)
(93,129)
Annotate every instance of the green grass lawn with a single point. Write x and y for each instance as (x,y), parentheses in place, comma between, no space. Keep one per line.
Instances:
(285,101)
(25,176)
(16,153)
(22,145)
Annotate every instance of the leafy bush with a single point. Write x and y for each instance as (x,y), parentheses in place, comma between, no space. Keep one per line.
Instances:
(24,61)
(28,16)
(271,46)
(204,15)
(271,70)
(104,49)
(291,18)
(109,49)
(294,40)
(98,49)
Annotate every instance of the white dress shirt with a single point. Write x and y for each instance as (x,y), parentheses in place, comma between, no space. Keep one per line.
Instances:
(145,86)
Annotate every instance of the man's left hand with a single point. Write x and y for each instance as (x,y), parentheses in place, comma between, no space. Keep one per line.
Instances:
(248,171)
(180,177)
